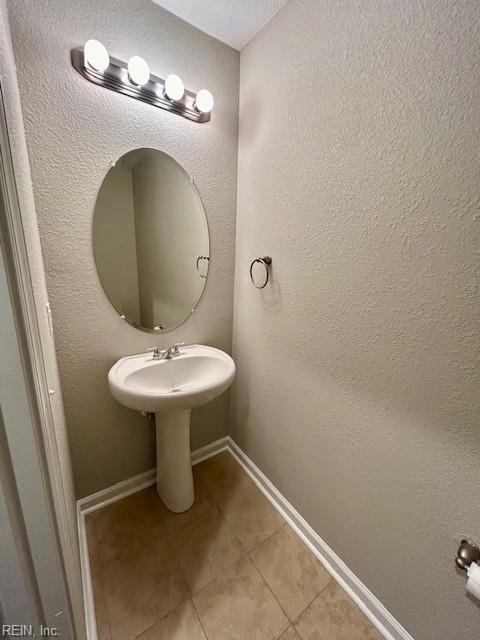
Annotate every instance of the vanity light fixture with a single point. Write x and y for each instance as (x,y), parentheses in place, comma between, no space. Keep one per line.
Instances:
(96,55)
(134,79)
(174,87)
(138,71)
(204,101)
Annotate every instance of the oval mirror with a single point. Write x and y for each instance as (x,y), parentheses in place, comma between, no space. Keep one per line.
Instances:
(150,240)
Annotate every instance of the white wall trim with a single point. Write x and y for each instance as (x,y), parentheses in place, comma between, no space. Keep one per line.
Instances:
(382,619)
(212,449)
(116,492)
(90,619)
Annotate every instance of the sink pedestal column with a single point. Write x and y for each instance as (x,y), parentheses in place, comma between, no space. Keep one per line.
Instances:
(174,464)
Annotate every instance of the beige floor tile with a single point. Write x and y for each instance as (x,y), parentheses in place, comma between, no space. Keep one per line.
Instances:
(238,605)
(125,526)
(142,588)
(223,464)
(203,502)
(205,547)
(292,572)
(222,477)
(181,624)
(333,615)
(252,518)
(290,634)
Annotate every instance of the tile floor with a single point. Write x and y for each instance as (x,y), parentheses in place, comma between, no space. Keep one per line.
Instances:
(228,569)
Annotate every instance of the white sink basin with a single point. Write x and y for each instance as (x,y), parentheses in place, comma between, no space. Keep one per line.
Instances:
(170,388)
(199,374)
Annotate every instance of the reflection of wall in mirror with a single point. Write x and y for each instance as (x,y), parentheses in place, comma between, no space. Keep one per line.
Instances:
(171,233)
(114,241)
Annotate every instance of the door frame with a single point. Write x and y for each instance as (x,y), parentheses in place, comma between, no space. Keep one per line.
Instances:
(59,504)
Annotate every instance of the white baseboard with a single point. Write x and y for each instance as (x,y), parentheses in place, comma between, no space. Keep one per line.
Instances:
(382,619)
(209,450)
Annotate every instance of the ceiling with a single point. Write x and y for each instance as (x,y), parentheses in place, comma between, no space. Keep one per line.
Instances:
(234,22)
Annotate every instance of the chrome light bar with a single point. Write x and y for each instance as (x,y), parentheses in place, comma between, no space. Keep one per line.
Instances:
(116,78)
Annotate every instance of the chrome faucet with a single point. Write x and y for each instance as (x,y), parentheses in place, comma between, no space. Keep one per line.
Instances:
(168,353)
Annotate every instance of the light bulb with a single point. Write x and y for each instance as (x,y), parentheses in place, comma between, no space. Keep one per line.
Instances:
(174,87)
(138,71)
(96,55)
(204,101)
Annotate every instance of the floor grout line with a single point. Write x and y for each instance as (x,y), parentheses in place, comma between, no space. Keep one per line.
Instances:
(200,619)
(312,600)
(215,505)
(273,595)
(291,622)
(257,546)
(182,604)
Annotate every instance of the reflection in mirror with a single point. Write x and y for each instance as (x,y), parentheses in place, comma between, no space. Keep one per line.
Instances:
(150,240)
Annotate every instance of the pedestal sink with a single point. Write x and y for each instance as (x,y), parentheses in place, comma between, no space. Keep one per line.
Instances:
(170,388)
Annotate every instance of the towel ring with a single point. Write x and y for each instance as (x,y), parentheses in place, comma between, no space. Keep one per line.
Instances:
(207,258)
(266,261)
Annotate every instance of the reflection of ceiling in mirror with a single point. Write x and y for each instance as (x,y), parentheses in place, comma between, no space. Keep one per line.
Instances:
(131,159)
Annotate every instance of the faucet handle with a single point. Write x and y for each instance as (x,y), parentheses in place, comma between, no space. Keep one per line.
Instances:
(174,350)
(158,352)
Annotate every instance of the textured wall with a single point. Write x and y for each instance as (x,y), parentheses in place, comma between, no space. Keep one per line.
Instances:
(74,129)
(358,379)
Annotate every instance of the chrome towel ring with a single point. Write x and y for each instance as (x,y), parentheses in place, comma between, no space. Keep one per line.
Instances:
(266,261)
(199,259)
